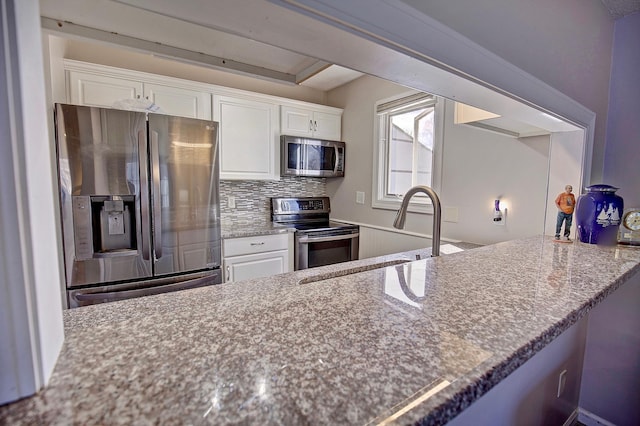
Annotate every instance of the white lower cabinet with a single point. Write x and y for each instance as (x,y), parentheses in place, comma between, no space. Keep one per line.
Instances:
(254,257)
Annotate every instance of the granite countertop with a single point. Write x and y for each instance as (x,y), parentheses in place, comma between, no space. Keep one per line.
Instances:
(424,338)
(239,228)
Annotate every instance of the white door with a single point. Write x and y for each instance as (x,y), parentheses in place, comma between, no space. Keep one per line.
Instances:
(327,126)
(239,268)
(248,138)
(296,121)
(179,101)
(101,91)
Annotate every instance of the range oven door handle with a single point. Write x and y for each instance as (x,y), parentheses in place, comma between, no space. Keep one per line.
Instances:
(308,240)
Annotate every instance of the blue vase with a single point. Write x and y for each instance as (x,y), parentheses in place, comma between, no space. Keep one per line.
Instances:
(598,215)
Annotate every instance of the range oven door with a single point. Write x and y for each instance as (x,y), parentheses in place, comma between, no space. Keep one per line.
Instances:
(318,248)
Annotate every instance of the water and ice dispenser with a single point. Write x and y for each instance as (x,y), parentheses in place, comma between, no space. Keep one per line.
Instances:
(104,226)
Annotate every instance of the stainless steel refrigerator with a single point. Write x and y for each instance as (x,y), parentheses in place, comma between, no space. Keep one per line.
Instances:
(139,197)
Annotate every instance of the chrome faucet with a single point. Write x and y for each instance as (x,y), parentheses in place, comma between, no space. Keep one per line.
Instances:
(402,214)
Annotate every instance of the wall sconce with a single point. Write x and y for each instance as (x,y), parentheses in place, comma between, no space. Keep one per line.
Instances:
(499,212)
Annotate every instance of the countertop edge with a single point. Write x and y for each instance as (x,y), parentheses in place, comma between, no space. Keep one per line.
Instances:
(495,374)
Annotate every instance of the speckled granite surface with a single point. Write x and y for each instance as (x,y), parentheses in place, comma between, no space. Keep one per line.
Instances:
(351,349)
(250,228)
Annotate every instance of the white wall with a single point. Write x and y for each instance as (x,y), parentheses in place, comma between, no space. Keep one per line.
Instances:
(567,44)
(478,167)
(623,127)
(564,169)
(375,241)
(31,329)
(611,377)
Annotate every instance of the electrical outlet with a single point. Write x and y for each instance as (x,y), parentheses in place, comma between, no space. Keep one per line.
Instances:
(562,380)
(231,202)
(359,197)
(450,214)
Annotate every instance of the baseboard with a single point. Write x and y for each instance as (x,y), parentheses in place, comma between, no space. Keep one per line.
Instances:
(572,418)
(589,419)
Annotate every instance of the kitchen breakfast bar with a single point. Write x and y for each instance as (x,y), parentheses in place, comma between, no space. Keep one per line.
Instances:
(383,340)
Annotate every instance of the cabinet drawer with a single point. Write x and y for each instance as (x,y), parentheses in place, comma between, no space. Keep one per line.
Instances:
(257,244)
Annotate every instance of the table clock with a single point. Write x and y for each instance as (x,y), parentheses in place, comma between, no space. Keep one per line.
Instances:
(629,231)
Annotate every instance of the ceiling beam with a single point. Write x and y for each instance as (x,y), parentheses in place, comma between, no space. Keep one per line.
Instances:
(311,70)
(55,26)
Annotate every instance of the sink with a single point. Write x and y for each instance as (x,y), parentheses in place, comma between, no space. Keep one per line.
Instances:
(354,270)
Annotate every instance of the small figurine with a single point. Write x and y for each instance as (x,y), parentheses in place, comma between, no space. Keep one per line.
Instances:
(565,202)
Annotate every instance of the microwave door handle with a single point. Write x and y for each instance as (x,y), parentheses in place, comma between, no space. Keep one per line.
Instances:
(157,212)
(308,240)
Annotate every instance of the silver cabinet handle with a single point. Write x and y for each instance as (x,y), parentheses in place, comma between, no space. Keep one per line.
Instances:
(315,125)
(226,279)
(307,240)
(257,244)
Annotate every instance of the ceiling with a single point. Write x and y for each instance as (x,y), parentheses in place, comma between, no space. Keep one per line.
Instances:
(621,8)
(228,52)
(127,24)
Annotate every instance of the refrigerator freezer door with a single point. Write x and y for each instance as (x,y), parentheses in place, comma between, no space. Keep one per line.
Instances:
(99,153)
(184,194)
(112,293)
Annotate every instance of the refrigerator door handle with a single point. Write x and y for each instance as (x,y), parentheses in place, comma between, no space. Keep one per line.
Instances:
(111,296)
(144,195)
(156,195)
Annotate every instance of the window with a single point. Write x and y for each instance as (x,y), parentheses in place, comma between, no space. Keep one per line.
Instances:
(409,133)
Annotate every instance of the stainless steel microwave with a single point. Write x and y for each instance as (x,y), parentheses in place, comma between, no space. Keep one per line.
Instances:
(302,156)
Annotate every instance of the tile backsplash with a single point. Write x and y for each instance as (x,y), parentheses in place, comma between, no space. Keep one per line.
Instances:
(252,197)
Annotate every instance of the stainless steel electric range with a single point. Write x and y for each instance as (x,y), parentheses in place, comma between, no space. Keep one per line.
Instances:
(318,240)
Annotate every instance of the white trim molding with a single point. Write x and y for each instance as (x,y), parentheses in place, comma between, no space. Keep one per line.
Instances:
(31,328)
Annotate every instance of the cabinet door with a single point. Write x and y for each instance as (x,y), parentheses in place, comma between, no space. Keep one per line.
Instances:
(248,138)
(296,121)
(102,91)
(239,268)
(327,126)
(179,101)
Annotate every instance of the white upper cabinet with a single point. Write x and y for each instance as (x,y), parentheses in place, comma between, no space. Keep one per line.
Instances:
(179,101)
(248,138)
(101,90)
(250,124)
(101,86)
(317,122)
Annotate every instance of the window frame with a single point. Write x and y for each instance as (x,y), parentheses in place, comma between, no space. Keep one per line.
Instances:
(380,198)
